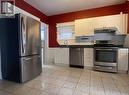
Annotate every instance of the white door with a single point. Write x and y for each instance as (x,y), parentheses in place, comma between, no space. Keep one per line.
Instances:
(44,42)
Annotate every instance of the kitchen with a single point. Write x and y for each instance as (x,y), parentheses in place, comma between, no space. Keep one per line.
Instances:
(70,43)
(98,37)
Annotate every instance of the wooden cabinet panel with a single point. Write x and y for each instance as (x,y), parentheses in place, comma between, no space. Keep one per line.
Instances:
(84,27)
(123,59)
(118,21)
(88,57)
(61,56)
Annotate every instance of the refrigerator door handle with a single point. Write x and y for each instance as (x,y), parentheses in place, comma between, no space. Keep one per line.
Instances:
(22,35)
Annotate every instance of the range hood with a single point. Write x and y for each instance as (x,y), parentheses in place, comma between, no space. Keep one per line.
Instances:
(105,30)
(84,38)
(102,34)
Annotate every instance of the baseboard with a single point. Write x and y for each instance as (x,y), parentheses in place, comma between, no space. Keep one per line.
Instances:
(88,68)
(60,64)
(122,72)
(49,63)
(76,66)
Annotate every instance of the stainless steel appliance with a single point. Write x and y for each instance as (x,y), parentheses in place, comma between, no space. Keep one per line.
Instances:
(76,57)
(106,49)
(106,59)
(84,38)
(104,34)
(105,30)
(20,46)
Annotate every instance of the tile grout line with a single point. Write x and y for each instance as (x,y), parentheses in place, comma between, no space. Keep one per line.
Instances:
(103,84)
(65,87)
(90,84)
(116,85)
(77,84)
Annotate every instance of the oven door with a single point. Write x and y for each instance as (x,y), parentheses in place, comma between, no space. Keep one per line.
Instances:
(105,56)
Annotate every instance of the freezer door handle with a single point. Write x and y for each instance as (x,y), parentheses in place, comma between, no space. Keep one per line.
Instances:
(28,59)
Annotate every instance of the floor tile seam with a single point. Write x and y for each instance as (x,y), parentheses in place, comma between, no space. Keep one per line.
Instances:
(8,92)
(67,88)
(41,89)
(116,86)
(77,84)
(103,85)
(90,83)
(62,86)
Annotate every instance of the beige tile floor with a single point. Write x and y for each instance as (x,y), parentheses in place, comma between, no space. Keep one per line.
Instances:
(56,80)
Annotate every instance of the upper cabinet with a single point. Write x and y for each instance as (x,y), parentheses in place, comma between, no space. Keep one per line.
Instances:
(67,32)
(118,21)
(85,27)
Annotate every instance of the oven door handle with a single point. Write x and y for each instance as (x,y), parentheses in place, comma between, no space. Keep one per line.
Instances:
(105,49)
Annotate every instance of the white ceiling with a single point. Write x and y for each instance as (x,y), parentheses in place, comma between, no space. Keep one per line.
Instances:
(54,7)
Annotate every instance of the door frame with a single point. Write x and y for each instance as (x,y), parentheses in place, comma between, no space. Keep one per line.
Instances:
(46,42)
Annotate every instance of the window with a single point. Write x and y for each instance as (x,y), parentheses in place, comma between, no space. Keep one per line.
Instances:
(65,32)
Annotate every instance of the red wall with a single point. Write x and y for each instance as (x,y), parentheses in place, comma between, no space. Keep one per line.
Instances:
(67,17)
(25,6)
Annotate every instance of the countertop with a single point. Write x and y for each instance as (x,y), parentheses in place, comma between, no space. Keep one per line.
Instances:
(76,46)
(81,46)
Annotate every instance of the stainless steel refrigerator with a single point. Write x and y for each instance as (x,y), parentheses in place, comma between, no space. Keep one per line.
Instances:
(20,45)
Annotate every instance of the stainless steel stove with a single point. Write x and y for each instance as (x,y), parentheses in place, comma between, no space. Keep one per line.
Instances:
(106,59)
(106,49)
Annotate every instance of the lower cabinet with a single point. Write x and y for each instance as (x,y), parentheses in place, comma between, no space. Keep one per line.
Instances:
(61,56)
(49,55)
(123,59)
(88,57)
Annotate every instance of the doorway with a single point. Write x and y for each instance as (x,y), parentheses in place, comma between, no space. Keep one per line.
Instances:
(44,42)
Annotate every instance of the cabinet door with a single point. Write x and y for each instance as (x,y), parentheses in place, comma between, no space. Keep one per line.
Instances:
(88,57)
(61,56)
(84,27)
(57,56)
(118,21)
(123,59)
(65,55)
(49,55)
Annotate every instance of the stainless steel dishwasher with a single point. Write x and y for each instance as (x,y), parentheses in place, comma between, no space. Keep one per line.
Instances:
(76,57)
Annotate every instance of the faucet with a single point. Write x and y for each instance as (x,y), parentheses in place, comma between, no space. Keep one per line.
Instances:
(66,42)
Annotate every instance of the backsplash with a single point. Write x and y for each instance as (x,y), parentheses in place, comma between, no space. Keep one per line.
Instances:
(74,42)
